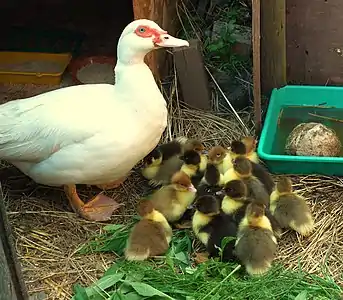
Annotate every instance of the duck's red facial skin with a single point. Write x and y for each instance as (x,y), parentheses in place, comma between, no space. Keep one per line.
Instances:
(147,32)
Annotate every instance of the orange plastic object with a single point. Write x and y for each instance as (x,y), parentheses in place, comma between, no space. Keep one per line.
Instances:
(9,76)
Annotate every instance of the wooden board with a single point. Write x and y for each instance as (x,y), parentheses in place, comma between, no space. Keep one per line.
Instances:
(163,12)
(273,45)
(192,76)
(256,45)
(12,286)
(314,33)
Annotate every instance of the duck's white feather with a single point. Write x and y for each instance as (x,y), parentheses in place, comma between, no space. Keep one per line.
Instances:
(87,134)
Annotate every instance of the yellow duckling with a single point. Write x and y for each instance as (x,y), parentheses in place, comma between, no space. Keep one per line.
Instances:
(244,169)
(236,200)
(150,236)
(256,244)
(290,209)
(161,163)
(250,144)
(210,226)
(173,200)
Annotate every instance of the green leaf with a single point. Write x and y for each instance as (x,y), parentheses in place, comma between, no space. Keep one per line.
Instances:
(80,292)
(144,289)
(182,256)
(113,227)
(102,284)
(134,296)
(301,296)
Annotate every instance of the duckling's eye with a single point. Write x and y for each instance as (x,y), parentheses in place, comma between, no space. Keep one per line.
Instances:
(218,154)
(141,29)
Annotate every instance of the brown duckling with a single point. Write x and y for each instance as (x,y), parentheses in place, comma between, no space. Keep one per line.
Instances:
(173,200)
(256,244)
(210,226)
(250,144)
(150,236)
(220,157)
(244,168)
(290,209)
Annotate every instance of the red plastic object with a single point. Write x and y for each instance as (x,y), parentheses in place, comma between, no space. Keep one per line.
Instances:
(80,62)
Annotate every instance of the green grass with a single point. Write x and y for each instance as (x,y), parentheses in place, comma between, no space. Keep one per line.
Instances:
(174,276)
(219,54)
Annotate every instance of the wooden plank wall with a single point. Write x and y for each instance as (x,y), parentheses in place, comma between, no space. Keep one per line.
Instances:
(314,35)
(273,45)
(163,12)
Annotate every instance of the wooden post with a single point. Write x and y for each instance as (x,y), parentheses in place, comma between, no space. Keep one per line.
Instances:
(12,286)
(256,35)
(273,45)
(192,76)
(163,12)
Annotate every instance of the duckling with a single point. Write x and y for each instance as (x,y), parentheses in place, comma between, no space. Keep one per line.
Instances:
(236,200)
(210,226)
(221,158)
(243,168)
(173,200)
(151,164)
(256,244)
(290,209)
(250,144)
(150,236)
(192,164)
(165,160)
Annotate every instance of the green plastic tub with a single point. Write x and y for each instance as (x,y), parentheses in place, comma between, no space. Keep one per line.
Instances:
(290,106)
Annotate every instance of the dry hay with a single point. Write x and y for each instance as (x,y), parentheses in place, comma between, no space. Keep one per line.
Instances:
(48,234)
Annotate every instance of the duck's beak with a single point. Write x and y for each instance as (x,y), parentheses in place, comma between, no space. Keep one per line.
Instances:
(191,188)
(167,41)
(220,193)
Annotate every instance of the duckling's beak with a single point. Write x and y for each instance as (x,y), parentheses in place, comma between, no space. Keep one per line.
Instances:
(167,41)
(204,152)
(220,193)
(191,188)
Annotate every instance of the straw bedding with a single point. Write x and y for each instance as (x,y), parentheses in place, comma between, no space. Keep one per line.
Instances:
(48,234)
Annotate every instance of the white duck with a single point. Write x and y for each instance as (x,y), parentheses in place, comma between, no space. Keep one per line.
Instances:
(94,133)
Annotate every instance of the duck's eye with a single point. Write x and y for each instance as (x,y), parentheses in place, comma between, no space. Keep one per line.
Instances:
(141,29)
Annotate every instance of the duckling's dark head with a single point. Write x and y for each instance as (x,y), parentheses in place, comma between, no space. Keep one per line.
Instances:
(284,185)
(255,210)
(207,205)
(155,156)
(235,189)
(191,157)
(238,148)
(217,154)
(145,207)
(242,166)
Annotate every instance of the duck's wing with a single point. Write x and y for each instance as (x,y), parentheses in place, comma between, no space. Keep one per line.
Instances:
(32,129)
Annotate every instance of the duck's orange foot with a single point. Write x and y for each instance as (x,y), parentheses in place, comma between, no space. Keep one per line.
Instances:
(111,185)
(100,208)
